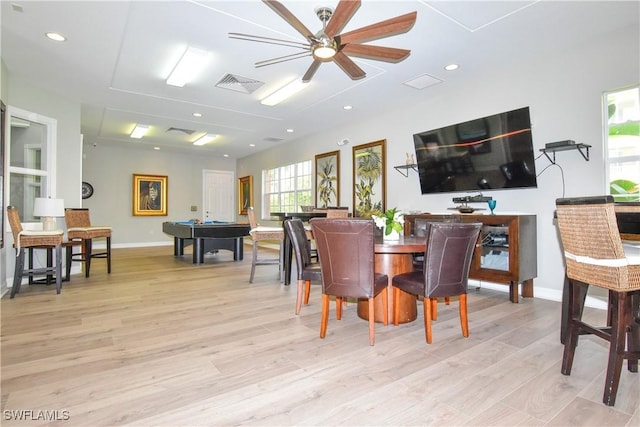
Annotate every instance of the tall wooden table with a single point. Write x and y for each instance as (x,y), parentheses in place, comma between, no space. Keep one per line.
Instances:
(391,258)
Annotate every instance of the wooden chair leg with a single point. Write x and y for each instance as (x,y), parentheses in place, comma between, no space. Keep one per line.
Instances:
(338,308)
(427,303)
(299,297)
(307,291)
(573,326)
(434,308)
(58,269)
(254,258)
(87,256)
(17,272)
(633,335)
(464,321)
(372,321)
(447,300)
(620,318)
(325,315)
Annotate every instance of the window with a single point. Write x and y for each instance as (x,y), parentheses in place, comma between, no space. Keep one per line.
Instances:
(622,142)
(286,188)
(31,155)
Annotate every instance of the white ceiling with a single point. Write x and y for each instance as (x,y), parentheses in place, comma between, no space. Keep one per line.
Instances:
(118,55)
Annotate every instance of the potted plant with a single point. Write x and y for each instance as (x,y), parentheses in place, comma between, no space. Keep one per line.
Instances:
(392,223)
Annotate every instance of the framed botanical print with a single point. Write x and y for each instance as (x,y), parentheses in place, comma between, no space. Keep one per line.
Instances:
(149,195)
(369,178)
(245,194)
(328,179)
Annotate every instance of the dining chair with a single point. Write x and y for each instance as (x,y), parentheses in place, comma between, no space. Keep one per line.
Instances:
(346,251)
(445,272)
(308,271)
(260,233)
(36,239)
(79,229)
(595,256)
(337,213)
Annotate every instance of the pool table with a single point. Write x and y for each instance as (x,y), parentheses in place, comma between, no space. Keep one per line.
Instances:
(206,237)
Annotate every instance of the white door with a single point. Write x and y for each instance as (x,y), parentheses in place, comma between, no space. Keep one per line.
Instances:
(219,196)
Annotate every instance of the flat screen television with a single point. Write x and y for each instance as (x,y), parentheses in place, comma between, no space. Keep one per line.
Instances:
(494,152)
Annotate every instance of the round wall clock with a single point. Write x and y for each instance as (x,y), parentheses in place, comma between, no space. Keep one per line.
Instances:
(87,190)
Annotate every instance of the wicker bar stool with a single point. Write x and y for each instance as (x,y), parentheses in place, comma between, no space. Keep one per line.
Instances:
(259,234)
(595,255)
(39,239)
(79,228)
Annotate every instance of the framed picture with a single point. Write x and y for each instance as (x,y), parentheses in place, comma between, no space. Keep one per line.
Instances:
(328,179)
(245,194)
(149,195)
(369,178)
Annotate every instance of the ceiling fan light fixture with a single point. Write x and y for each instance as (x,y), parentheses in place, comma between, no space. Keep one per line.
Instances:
(284,92)
(325,48)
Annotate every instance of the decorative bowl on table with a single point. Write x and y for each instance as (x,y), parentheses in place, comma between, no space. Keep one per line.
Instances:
(465,209)
(307,208)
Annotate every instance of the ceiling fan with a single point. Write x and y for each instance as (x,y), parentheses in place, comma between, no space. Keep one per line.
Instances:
(329,45)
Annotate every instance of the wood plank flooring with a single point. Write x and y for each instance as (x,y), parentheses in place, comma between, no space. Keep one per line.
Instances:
(163,342)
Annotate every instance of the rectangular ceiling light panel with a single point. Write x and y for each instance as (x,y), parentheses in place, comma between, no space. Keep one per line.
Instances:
(188,67)
(139,131)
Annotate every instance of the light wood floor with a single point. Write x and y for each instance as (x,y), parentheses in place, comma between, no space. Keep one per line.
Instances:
(161,342)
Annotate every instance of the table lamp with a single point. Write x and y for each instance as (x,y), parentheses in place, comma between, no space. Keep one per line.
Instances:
(48,209)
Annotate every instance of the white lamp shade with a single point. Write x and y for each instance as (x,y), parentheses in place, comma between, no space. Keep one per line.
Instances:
(47,207)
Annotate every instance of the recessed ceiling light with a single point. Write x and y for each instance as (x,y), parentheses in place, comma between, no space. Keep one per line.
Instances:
(252,145)
(197,114)
(156,148)
(290,130)
(347,107)
(57,37)
(225,155)
(452,67)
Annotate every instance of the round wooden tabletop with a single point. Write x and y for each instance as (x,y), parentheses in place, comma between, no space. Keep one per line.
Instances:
(406,244)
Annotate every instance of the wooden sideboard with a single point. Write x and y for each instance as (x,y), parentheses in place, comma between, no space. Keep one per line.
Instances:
(506,251)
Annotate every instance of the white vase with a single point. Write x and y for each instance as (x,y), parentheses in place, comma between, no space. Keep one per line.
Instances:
(394,235)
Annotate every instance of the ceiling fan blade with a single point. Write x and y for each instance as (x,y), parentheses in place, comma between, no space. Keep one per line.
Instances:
(390,27)
(348,66)
(378,53)
(343,13)
(282,59)
(285,14)
(269,40)
(311,71)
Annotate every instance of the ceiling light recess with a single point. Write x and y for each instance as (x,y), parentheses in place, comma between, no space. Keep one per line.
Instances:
(192,61)
(56,37)
(139,131)
(205,139)
(284,92)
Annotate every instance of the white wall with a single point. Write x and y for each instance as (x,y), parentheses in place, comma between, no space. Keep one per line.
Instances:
(110,168)
(564,94)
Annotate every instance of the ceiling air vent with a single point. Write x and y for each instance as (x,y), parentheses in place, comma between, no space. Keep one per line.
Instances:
(185,131)
(273,139)
(239,83)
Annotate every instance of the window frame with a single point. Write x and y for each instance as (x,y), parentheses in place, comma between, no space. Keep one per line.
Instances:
(287,181)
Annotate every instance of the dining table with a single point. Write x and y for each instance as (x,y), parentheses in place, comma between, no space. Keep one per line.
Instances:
(287,245)
(394,257)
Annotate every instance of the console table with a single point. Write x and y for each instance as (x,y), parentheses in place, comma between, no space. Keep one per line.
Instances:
(506,251)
